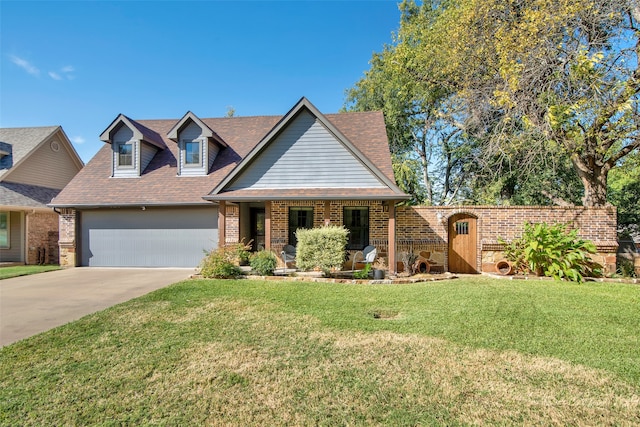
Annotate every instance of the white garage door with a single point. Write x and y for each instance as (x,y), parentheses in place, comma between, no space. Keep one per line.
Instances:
(154,237)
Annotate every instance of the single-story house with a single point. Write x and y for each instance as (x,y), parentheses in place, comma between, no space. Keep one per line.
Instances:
(35,164)
(161,192)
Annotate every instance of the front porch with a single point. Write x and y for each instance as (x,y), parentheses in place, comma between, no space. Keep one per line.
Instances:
(271,224)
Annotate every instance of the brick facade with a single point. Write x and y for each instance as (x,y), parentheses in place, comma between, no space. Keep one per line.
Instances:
(420,229)
(42,237)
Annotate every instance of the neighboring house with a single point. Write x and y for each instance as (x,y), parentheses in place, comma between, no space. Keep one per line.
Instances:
(161,192)
(35,164)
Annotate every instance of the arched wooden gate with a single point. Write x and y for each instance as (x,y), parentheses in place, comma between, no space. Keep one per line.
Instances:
(462,244)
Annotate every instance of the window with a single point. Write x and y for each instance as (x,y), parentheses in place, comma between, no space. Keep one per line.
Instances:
(125,154)
(462,227)
(299,218)
(356,220)
(4,230)
(192,153)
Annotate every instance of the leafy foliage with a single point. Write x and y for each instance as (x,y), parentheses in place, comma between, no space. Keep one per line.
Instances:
(624,189)
(364,273)
(321,248)
(553,251)
(489,93)
(264,262)
(242,251)
(221,263)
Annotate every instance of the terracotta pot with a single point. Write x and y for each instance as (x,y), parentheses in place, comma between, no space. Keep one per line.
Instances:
(504,267)
(422,266)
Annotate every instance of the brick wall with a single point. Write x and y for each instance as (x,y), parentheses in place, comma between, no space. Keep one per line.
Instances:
(424,228)
(42,237)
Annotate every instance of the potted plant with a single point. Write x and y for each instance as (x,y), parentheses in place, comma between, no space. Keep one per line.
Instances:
(378,269)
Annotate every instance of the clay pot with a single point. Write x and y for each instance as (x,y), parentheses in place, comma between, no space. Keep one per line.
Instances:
(422,266)
(504,267)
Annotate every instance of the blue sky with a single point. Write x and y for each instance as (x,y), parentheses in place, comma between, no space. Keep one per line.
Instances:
(81,63)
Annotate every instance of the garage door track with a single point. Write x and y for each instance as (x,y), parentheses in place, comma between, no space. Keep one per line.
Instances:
(37,303)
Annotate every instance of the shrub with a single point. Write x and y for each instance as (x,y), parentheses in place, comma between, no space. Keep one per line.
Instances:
(220,264)
(553,251)
(321,248)
(242,252)
(264,262)
(514,253)
(362,274)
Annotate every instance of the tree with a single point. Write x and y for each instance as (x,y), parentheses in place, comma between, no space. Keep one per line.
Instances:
(520,82)
(421,134)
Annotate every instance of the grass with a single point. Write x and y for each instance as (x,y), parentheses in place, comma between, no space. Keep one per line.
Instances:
(458,352)
(24,270)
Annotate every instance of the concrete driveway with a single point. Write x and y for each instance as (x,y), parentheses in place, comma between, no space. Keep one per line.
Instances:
(37,303)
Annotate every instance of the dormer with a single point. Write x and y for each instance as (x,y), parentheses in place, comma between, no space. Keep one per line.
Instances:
(198,145)
(5,155)
(132,146)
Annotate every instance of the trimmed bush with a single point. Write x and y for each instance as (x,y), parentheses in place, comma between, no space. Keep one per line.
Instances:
(321,248)
(220,264)
(553,251)
(264,262)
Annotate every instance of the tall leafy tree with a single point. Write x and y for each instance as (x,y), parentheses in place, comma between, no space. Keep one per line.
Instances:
(528,87)
(422,135)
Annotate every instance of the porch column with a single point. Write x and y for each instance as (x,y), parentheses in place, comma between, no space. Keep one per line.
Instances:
(327,212)
(267,225)
(222,224)
(392,237)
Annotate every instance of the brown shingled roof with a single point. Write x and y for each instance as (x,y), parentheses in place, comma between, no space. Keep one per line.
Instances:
(160,185)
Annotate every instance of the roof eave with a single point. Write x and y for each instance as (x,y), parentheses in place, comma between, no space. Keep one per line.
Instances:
(222,197)
(125,205)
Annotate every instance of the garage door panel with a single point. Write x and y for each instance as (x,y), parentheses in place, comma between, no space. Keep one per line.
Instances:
(158,238)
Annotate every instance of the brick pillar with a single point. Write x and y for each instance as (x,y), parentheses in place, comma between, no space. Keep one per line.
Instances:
(392,237)
(68,223)
(222,224)
(267,225)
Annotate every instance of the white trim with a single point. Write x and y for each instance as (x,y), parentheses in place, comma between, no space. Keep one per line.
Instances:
(24,225)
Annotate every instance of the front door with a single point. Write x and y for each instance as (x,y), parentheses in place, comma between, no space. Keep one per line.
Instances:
(462,244)
(257,229)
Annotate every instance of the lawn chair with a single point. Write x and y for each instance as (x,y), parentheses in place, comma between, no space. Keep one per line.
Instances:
(288,255)
(369,255)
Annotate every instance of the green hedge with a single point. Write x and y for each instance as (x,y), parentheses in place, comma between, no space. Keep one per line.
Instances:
(321,248)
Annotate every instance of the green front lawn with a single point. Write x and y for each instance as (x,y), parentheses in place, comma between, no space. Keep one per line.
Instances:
(455,352)
(24,270)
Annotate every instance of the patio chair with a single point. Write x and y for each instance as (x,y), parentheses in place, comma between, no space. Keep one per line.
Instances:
(369,255)
(288,255)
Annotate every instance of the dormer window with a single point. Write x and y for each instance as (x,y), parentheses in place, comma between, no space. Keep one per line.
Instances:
(125,155)
(198,145)
(192,153)
(133,146)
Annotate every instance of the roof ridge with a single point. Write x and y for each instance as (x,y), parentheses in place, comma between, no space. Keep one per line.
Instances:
(255,117)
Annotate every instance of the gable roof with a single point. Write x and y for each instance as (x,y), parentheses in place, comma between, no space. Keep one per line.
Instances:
(207,132)
(391,192)
(140,131)
(160,185)
(19,143)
